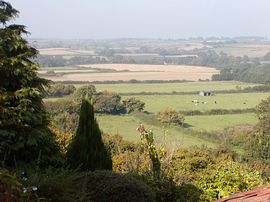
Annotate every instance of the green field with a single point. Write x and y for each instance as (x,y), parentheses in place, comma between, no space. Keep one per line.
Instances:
(157,103)
(169,87)
(218,122)
(126,126)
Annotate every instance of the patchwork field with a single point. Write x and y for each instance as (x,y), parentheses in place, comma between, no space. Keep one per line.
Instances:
(128,72)
(153,68)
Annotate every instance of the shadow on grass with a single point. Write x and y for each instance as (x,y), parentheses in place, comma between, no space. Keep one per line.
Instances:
(186,125)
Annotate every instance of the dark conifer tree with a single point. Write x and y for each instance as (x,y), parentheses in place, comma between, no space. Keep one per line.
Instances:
(87,150)
(24,135)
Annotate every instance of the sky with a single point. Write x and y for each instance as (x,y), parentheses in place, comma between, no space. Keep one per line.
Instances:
(104,19)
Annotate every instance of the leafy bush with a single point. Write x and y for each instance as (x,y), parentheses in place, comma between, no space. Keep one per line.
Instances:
(60,90)
(170,116)
(117,187)
(108,103)
(132,162)
(227,178)
(187,164)
(80,93)
(133,104)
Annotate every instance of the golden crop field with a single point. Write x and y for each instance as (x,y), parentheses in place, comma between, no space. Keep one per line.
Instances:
(128,72)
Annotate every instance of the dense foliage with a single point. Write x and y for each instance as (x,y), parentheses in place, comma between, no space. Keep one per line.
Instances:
(227,178)
(108,103)
(133,104)
(259,147)
(60,90)
(258,74)
(81,92)
(24,135)
(104,102)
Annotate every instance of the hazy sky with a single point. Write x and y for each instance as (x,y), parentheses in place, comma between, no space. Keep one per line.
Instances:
(144,18)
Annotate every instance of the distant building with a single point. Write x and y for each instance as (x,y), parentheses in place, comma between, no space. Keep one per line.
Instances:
(205,93)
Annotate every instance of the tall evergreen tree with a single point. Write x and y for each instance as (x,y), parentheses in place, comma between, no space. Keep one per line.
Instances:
(87,150)
(24,135)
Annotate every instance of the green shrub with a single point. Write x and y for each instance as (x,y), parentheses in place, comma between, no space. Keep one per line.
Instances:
(69,186)
(108,103)
(226,178)
(133,104)
(170,116)
(80,93)
(87,150)
(107,186)
(59,185)
(187,164)
(60,90)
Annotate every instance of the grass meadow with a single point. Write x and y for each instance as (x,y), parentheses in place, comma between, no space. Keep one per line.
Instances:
(171,136)
(157,103)
(170,87)
(174,136)
(211,123)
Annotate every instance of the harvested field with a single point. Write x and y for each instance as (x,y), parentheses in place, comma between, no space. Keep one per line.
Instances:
(154,68)
(57,51)
(128,72)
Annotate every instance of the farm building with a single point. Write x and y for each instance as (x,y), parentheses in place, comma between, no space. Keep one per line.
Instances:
(205,93)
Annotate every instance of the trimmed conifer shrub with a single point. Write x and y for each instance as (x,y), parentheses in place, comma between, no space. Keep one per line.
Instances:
(87,150)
